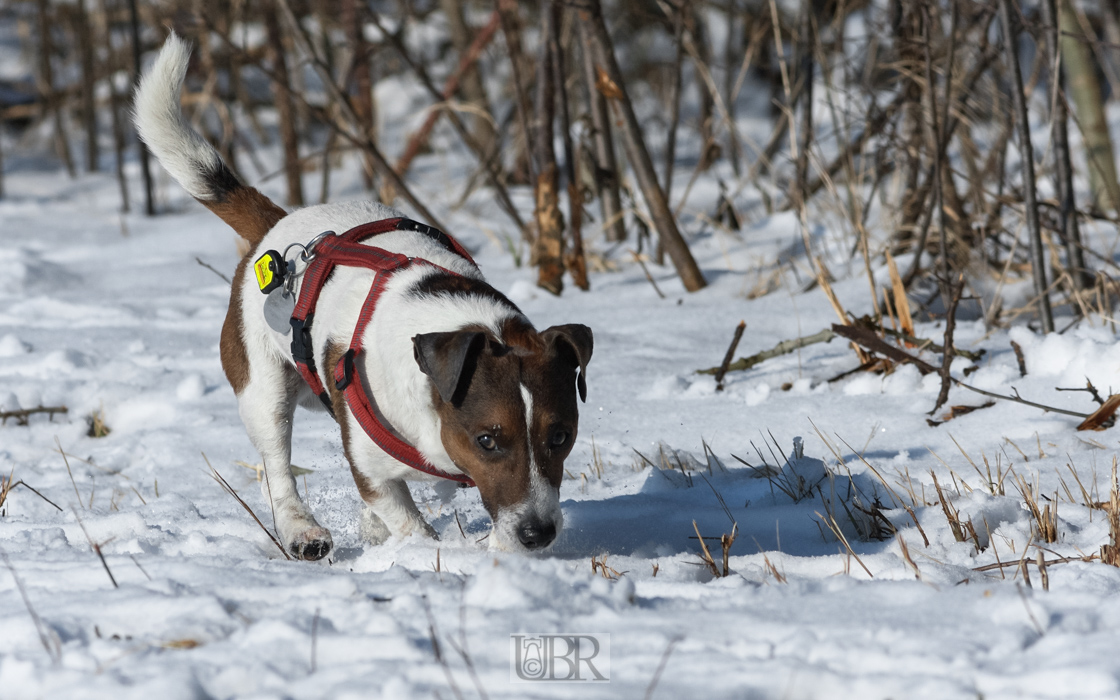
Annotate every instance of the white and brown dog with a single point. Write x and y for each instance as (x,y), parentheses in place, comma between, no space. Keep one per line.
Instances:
(453,370)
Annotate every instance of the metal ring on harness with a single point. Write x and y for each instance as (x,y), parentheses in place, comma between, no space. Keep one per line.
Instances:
(308,251)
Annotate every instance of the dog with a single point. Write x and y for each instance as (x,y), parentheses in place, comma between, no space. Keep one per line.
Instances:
(437,374)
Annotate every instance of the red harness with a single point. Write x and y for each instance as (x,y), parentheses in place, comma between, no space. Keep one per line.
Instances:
(347,250)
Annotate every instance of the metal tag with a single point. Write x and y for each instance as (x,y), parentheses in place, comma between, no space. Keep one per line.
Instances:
(278,308)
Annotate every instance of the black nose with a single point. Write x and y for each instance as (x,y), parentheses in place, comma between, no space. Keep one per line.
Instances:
(535,534)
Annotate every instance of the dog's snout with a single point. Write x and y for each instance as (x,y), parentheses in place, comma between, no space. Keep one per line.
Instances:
(535,534)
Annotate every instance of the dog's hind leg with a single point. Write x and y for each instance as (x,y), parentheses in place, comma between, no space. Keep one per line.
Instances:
(267,405)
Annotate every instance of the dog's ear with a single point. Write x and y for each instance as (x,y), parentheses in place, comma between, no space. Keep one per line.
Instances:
(448,359)
(574,341)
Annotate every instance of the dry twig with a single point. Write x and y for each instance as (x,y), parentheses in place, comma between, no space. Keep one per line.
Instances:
(229,489)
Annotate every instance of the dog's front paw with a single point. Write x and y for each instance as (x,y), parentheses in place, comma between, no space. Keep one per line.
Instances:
(312,544)
(372,528)
(427,530)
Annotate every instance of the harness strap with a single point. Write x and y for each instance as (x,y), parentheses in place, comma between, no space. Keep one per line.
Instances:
(347,250)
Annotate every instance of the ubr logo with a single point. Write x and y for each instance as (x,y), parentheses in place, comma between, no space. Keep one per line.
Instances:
(560,657)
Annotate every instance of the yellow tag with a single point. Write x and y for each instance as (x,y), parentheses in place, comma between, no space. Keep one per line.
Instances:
(263,271)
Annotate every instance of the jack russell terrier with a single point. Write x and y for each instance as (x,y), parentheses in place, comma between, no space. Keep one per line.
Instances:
(387,324)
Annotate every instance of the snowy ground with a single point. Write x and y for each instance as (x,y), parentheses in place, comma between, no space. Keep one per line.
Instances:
(206,607)
(111,314)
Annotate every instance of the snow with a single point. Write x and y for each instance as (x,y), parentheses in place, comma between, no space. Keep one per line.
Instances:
(207,607)
(110,313)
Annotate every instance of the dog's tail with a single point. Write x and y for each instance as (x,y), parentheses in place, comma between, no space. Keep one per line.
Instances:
(187,156)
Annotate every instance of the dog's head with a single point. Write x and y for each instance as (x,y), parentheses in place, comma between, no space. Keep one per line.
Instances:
(508,418)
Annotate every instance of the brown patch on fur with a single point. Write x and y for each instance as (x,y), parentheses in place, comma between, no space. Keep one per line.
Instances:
(235,358)
(248,212)
(334,353)
(251,215)
(518,333)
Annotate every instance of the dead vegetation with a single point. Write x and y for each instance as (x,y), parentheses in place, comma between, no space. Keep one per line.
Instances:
(7,485)
(599,566)
(97,426)
(1110,553)
(22,416)
(1044,519)
(229,489)
(938,189)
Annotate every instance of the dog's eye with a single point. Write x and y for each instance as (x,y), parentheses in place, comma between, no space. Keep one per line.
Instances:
(559,437)
(487,442)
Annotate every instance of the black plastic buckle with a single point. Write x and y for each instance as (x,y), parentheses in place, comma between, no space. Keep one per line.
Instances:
(302,348)
(347,363)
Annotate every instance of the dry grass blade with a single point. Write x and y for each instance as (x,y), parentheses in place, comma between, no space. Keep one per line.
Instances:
(661,666)
(229,489)
(965,454)
(709,456)
(995,485)
(1045,519)
(951,513)
(599,566)
(68,471)
(725,542)
(893,494)
(719,497)
(96,548)
(6,487)
(596,459)
(905,549)
(1030,613)
(433,637)
(1087,500)
(914,517)
(638,259)
(211,268)
(260,472)
(901,303)
(706,555)
(778,575)
(647,459)
(834,526)
(47,637)
(822,280)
